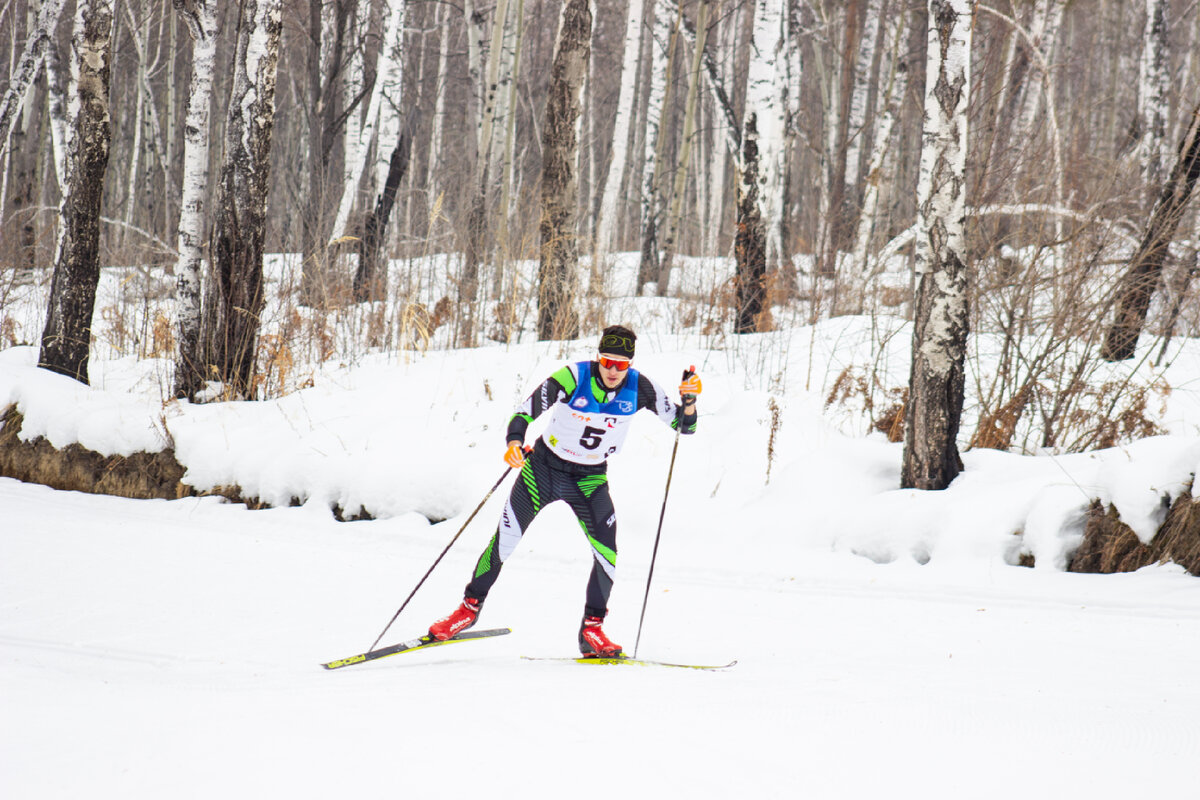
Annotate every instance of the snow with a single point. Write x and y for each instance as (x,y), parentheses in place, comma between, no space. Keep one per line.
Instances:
(887,643)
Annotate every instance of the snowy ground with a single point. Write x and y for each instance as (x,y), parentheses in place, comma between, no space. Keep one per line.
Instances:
(887,646)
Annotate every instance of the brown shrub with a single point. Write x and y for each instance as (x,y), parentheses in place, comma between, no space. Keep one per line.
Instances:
(1109,545)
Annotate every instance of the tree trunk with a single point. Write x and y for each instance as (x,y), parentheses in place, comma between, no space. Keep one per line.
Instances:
(749,240)
(558,270)
(940,329)
(67,336)
(40,39)
(662,61)
(1154,83)
(237,251)
(370,280)
(1138,285)
(620,143)
(670,245)
(892,96)
(477,222)
(201,22)
(326,26)
(388,73)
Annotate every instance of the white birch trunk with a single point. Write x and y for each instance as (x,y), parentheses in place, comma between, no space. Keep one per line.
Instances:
(510,129)
(240,219)
(352,86)
(390,84)
(940,329)
(486,126)
(40,39)
(58,112)
(475,47)
(1153,107)
(724,143)
(66,338)
(869,41)
(892,97)
(387,81)
(670,245)
(620,153)
(766,103)
(189,369)
(661,40)
(433,170)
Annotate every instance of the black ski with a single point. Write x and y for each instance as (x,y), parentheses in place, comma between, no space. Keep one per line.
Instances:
(414,644)
(639,662)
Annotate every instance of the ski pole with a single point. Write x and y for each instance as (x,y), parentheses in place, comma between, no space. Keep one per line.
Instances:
(687,373)
(429,572)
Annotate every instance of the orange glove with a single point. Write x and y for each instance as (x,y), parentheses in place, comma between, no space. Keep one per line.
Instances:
(691,386)
(513,456)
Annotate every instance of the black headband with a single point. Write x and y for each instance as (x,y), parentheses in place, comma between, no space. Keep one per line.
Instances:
(616,345)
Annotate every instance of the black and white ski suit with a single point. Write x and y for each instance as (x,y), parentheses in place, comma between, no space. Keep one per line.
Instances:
(569,462)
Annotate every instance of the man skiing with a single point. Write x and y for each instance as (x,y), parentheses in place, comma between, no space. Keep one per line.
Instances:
(591,404)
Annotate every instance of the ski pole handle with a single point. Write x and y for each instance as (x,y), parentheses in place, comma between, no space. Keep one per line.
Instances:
(689,381)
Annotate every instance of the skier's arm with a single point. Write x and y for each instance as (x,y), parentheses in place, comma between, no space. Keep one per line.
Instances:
(555,389)
(653,397)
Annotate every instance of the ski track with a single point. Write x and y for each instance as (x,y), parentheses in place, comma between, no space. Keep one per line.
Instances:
(151,648)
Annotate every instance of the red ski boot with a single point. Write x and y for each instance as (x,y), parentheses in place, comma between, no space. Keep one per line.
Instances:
(459,620)
(594,642)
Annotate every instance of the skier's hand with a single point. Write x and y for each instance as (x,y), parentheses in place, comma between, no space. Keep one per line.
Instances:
(690,387)
(513,456)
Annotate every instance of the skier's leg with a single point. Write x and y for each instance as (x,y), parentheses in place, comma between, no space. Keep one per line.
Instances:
(524,502)
(593,505)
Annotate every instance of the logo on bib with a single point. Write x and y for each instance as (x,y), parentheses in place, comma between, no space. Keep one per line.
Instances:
(626,407)
(580,403)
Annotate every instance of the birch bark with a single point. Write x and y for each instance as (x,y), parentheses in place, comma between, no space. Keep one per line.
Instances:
(685,147)
(387,80)
(1153,106)
(869,41)
(558,270)
(67,336)
(240,228)
(1138,285)
(940,328)
(766,100)
(433,170)
(892,96)
(40,39)
(201,21)
(620,146)
(662,48)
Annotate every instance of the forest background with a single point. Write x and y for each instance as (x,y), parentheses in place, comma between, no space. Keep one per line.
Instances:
(791,139)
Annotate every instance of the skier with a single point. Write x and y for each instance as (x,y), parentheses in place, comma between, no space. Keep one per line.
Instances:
(591,404)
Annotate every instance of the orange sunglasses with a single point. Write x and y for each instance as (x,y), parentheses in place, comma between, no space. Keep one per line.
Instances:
(619,364)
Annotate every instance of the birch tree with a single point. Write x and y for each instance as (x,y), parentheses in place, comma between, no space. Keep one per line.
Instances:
(201,21)
(557,272)
(892,95)
(40,39)
(1139,283)
(619,157)
(858,136)
(384,94)
(484,138)
(760,192)
(327,26)
(237,250)
(940,327)
(66,339)
(1152,103)
(662,49)
(670,243)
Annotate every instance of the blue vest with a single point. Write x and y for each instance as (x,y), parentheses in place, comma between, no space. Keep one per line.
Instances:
(582,399)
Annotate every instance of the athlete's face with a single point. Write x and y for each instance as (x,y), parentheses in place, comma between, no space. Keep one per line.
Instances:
(612,370)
